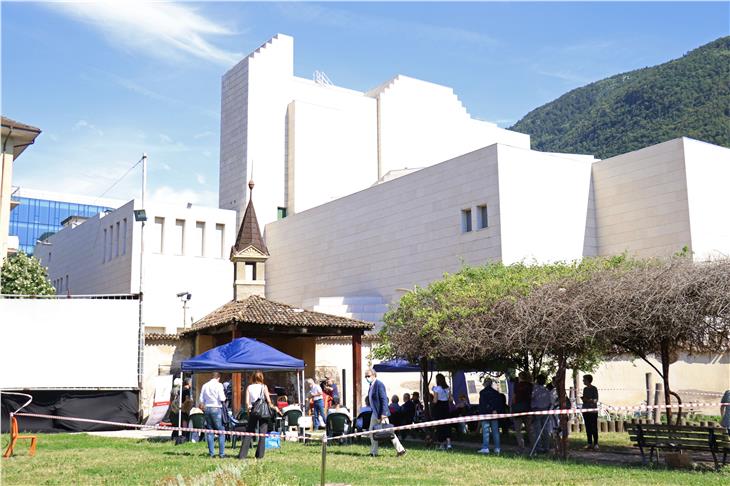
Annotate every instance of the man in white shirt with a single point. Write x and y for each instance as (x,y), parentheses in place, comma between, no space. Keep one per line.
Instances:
(212,397)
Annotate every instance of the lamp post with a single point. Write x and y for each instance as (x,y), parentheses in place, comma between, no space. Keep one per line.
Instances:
(185,298)
(141,216)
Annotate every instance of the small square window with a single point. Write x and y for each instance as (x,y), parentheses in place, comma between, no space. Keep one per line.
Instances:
(482,217)
(280,213)
(465,220)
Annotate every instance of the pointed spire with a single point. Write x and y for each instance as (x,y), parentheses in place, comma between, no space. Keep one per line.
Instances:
(249,233)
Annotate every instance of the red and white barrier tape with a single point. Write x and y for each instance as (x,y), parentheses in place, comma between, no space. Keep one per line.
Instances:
(683,392)
(146,427)
(566,411)
(420,425)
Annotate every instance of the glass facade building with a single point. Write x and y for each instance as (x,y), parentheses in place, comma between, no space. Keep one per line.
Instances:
(32,218)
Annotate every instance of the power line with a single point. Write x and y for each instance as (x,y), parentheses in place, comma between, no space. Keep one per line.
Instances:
(119,179)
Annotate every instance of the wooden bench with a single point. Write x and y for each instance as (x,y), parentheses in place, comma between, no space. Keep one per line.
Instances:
(679,438)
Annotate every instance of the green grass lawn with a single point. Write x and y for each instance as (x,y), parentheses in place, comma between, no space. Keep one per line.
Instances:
(82,459)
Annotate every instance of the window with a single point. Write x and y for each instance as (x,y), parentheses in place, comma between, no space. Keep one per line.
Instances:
(111,243)
(124,236)
(280,213)
(250,271)
(178,238)
(158,236)
(116,248)
(219,242)
(199,239)
(465,220)
(482,218)
(67,290)
(103,250)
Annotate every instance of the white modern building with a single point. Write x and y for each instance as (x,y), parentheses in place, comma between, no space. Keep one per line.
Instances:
(186,252)
(307,142)
(391,188)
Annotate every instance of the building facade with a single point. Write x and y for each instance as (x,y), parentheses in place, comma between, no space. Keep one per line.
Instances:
(16,137)
(40,213)
(306,142)
(185,252)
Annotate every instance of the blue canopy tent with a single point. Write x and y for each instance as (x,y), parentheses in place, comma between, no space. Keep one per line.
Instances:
(403,366)
(243,354)
(398,366)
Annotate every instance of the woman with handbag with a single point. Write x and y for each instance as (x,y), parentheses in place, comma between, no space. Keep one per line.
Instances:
(442,400)
(259,406)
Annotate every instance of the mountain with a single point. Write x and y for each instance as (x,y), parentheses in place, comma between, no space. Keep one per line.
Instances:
(689,96)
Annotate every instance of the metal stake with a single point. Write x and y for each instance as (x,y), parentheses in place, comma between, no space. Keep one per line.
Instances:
(324,459)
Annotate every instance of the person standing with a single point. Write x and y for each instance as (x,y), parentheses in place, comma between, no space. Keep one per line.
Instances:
(212,397)
(378,398)
(256,391)
(590,400)
(441,400)
(541,401)
(521,402)
(317,396)
(725,410)
(490,401)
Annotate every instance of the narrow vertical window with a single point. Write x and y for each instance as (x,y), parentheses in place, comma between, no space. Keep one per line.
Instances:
(250,271)
(116,249)
(179,239)
(220,240)
(158,238)
(124,236)
(103,250)
(111,243)
(67,289)
(465,220)
(482,218)
(199,239)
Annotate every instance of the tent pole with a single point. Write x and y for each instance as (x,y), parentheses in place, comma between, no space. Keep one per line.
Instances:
(179,403)
(299,390)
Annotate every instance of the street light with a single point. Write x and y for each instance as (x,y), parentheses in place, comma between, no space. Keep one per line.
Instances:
(185,298)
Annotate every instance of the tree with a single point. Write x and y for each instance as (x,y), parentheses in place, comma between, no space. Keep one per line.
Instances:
(448,321)
(24,275)
(662,307)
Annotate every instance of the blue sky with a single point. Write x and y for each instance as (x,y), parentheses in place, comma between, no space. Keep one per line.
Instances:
(106,82)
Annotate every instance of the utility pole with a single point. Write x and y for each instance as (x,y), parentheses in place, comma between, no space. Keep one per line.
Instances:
(140,360)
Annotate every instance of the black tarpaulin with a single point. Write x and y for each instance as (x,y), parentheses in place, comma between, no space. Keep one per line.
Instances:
(109,405)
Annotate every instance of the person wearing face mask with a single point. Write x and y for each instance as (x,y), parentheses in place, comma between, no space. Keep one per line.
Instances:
(379,402)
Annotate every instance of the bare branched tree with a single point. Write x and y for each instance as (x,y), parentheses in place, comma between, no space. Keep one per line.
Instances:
(662,308)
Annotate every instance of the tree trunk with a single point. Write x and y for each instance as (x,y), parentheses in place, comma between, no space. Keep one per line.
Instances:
(664,349)
(562,399)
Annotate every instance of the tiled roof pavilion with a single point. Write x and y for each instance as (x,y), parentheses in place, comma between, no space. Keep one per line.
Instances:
(259,314)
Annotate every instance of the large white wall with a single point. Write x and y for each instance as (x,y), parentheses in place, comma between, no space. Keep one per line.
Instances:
(309,143)
(641,201)
(543,202)
(69,343)
(408,231)
(96,264)
(332,144)
(422,123)
(708,191)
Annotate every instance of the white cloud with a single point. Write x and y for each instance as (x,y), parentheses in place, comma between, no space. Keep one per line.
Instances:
(165,30)
(200,178)
(83,124)
(204,134)
(344,19)
(165,138)
(170,195)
